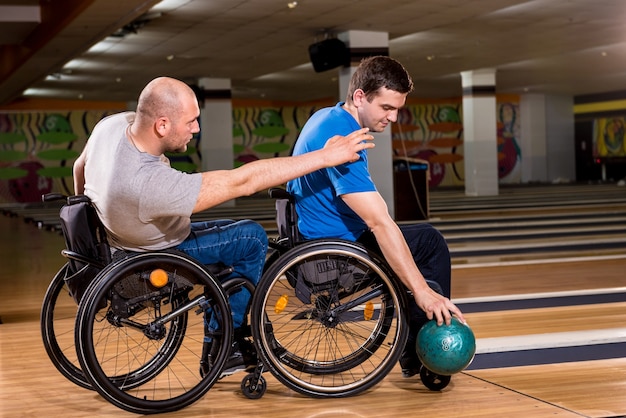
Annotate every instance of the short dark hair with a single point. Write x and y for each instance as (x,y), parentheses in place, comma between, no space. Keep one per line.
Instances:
(376,72)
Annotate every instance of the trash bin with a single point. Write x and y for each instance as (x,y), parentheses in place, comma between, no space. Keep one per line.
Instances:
(410,177)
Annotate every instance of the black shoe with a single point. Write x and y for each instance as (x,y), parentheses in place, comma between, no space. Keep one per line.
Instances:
(236,362)
(242,358)
(408,373)
(206,361)
(409,361)
(410,364)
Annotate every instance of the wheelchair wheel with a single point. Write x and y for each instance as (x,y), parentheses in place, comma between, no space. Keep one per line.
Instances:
(328,319)
(140,342)
(58,315)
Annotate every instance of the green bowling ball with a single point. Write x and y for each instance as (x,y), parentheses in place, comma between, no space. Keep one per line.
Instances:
(446,349)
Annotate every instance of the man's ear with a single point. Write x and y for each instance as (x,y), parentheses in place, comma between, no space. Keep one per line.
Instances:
(358,96)
(162,126)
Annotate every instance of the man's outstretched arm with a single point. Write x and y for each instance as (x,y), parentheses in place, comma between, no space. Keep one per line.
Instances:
(222,185)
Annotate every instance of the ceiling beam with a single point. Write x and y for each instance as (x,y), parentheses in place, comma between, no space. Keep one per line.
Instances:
(66,31)
(20,14)
(53,17)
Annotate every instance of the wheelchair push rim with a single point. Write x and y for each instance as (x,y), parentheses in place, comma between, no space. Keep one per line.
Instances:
(339,333)
(141,346)
(58,314)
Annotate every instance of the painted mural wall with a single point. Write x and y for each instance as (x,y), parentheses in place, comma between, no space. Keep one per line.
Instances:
(609,137)
(37,149)
(432,132)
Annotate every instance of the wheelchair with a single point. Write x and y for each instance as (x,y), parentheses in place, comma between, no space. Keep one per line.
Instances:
(132,326)
(329,318)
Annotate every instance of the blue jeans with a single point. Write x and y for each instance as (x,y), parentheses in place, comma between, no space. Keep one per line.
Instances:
(239,244)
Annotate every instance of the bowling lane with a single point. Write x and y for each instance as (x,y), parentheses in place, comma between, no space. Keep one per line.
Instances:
(590,388)
(562,319)
(527,276)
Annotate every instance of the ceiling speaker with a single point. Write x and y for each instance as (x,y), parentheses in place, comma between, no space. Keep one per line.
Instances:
(329,54)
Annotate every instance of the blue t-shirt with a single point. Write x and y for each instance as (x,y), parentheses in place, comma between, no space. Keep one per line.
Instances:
(321,211)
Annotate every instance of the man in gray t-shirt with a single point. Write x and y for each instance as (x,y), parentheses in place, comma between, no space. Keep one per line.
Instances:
(129,188)
(146,205)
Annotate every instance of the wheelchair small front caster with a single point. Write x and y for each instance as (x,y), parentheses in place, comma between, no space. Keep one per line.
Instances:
(253,387)
(433,381)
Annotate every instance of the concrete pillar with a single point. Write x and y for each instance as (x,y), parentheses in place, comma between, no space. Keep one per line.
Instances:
(480,132)
(547,132)
(216,125)
(364,44)
(560,144)
(533,138)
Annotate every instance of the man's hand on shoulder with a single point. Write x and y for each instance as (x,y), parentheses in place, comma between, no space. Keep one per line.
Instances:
(342,149)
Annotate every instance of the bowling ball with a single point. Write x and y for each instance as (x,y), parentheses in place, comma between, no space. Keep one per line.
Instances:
(446,349)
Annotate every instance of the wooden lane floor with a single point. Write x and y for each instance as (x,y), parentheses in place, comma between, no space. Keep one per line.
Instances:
(448,201)
(510,301)
(535,344)
(31,387)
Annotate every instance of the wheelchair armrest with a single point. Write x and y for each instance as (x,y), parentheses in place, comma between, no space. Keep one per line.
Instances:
(280,193)
(51,197)
(70,200)
(280,245)
(220,270)
(79,198)
(72,255)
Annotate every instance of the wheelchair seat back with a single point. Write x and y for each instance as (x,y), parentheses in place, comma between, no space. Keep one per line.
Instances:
(87,247)
(317,274)
(286,217)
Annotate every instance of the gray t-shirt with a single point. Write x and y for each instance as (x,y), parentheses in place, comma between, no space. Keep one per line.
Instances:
(143,202)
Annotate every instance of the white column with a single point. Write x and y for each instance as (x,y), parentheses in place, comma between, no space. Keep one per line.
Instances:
(363,44)
(547,132)
(533,134)
(216,125)
(560,145)
(480,132)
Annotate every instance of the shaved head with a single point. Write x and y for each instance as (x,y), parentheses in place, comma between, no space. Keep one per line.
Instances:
(163,97)
(166,117)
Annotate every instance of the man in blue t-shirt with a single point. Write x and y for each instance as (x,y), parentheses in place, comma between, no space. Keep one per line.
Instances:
(342,201)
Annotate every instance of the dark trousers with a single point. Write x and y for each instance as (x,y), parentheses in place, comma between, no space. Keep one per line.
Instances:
(432,257)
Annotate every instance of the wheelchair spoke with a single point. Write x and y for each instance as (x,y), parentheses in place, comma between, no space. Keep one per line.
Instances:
(144,348)
(313,332)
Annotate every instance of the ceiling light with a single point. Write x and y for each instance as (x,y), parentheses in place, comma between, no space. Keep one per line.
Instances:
(292,4)
(37,92)
(101,46)
(134,26)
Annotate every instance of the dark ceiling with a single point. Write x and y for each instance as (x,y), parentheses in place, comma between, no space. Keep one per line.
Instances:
(64,49)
